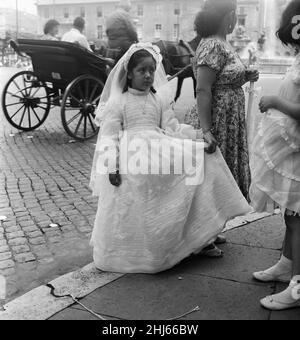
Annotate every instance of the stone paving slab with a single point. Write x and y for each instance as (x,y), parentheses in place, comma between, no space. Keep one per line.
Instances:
(40,304)
(238,264)
(164,296)
(266,233)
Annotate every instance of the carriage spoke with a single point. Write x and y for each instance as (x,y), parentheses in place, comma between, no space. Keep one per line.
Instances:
(18,111)
(36,115)
(96,99)
(92,124)
(93,92)
(18,87)
(74,118)
(85,126)
(29,117)
(78,125)
(37,90)
(77,100)
(14,95)
(21,121)
(8,105)
(80,91)
(25,88)
(86,89)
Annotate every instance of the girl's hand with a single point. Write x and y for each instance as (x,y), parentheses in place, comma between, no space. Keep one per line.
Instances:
(252,76)
(211,141)
(266,103)
(115,179)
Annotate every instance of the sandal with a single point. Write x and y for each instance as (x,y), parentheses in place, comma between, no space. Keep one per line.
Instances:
(213,252)
(221,240)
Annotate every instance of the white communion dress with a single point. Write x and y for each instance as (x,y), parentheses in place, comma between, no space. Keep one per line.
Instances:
(275,163)
(152,222)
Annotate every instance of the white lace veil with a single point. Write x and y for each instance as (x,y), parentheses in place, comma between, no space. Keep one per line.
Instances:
(117,79)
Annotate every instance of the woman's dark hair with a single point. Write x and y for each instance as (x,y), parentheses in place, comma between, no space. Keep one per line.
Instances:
(209,20)
(50,25)
(134,62)
(284,33)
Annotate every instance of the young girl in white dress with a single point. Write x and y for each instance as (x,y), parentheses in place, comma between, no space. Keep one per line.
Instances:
(275,169)
(149,222)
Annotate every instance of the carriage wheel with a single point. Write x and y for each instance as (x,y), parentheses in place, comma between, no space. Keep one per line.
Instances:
(25,101)
(79,105)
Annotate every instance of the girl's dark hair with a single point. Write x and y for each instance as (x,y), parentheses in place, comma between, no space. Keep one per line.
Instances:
(209,20)
(134,62)
(284,33)
(50,25)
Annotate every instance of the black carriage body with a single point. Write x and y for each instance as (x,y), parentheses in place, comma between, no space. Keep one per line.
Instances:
(64,74)
(61,62)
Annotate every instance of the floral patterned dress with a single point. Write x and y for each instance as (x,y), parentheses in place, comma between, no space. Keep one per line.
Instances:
(228,106)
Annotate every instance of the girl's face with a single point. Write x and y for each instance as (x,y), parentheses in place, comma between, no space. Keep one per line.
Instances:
(142,76)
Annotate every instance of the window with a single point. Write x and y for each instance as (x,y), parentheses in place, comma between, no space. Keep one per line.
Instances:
(177,9)
(47,13)
(99,12)
(176,31)
(100,32)
(241,10)
(66,13)
(82,12)
(158,30)
(140,10)
(158,9)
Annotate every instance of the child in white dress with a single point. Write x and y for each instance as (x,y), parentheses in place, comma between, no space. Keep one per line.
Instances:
(275,169)
(147,223)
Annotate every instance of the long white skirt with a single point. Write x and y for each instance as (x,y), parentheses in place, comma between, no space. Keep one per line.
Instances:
(152,222)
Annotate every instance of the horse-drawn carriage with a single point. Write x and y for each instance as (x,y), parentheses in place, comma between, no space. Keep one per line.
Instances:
(68,76)
(64,75)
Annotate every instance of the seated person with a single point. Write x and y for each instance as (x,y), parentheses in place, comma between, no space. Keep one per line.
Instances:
(51,30)
(75,34)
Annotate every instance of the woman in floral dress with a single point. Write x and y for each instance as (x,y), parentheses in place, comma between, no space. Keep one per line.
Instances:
(220,73)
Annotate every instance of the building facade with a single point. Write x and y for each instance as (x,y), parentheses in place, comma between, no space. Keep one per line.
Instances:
(161,19)
(155,19)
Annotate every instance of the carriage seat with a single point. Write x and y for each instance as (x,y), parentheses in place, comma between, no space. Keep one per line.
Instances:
(60,62)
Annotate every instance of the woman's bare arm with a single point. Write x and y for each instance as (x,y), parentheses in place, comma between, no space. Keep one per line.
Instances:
(206,77)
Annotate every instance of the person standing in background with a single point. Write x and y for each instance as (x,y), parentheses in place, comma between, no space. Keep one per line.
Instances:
(120,28)
(220,74)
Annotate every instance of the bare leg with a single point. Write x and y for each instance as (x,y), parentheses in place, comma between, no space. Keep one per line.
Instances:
(293,227)
(289,298)
(287,245)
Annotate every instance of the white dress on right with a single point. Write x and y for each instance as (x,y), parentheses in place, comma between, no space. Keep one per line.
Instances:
(275,162)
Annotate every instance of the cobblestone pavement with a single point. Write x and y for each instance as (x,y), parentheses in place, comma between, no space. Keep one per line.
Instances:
(44,179)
